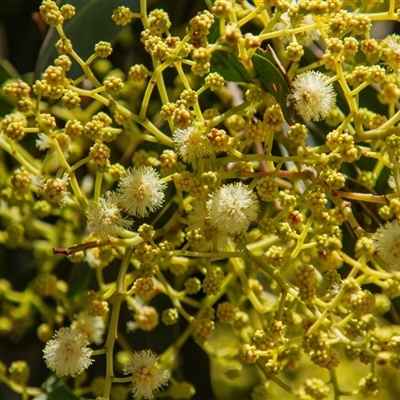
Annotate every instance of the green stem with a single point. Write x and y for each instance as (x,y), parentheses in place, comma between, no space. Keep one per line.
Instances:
(21,155)
(97,185)
(156,76)
(113,327)
(273,273)
(172,295)
(298,248)
(334,382)
(77,191)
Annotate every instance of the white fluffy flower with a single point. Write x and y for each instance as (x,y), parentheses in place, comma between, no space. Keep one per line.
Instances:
(105,219)
(314,98)
(96,259)
(146,377)
(67,353)
(191,143)
(198,219)
(387,243)
(198,215)
(305,38)
(232,208)
(146,318)
(42,142)
(91,325)
(391,182)
(390,52)
(141,191)
(309,37)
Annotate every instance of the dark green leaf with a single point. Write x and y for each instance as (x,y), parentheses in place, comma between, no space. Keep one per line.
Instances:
(79,279)
(214,32)
(396,305)
(228,66)
(54,389)
(7,71)
(274,82)
(91,24)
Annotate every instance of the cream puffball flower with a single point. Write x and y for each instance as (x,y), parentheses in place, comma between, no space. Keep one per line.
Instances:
(105,219)
(146,377)
(91,325)
(146,318)
(387,243)
(232,208)
(198,215)
(67,353)
(314,98)
(191,143)
(307,37)
(141,191)
(390,51)
(198,219)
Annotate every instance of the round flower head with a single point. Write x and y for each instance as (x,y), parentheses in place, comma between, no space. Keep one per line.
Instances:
(96,258)
(307,37)
(190,143)
(55,190)
(232,208)
(197,216)
(387,243)
(91,325)
(146,318)
(105,220)
(141,191)
(146,377)
(314,98)
(67,353)
(198,219)
(390,51)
